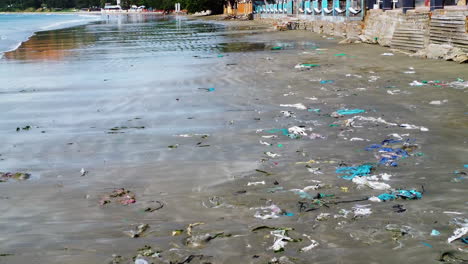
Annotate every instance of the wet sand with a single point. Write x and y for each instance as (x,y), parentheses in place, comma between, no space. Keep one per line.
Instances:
(112,97)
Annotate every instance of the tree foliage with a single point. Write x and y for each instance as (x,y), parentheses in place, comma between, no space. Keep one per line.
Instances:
(191,5)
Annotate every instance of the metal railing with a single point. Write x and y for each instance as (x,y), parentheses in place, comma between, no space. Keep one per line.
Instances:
(345,9)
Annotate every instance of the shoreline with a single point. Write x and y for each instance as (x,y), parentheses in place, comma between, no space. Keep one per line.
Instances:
(193,119)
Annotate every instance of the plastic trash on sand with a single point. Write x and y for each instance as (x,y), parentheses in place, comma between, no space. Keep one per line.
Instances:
(458,233)
(351,172)
(343,112)
(360,210)
(281,239)
(313,244)
(404,194)
(435,232)
(409,126)
(306,66)
(267,212)
(298,106)
(371,184)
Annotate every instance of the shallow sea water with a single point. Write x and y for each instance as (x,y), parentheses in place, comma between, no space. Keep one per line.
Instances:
(111,96)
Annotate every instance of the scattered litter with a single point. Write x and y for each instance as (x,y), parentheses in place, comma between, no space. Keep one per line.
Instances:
(352,121)
(83,172)
(316,136)
(393,92)
(19,176)
(362,210)
(387,54)
(306,66)
(373,78)
(398,208)
(351,172)
(191,226)
(416,83)
(281,239)
(276,48)
(311,246)
(207,89)
(272,155)
(404,194)
(121,195)
(265,143)
(287,113)
(140,261)
(340,55)
(326,81)
(371,184)
(356,139)
(323,217)
(409,126)
(298,106)
(343,112)
(426,244)
(297,130)
(267,212)
(438,102)
(138,231)
(315,171)
(316,110)
(435,233)
(255,183)
(458,233)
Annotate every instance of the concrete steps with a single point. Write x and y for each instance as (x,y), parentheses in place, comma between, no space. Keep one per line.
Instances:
(449,30)
(409,34)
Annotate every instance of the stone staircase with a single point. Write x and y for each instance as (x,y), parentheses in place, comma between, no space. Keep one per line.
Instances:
(410,34)
(449,30)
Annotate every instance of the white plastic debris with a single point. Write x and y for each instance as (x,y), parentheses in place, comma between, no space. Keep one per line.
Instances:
(272,155)
(287,113)
(458,233)
(312,98)
(315,171)
(298,106)
(83,172)
(416,83)
(387,54)
(356,139)
(385,176)
(397,136)
(267,212)
(297,130)
(255,183)
(280,240)
(373,78)
(272,136)
(371,184)
(140,261)
(393,92)
(311,246)
(362,210)
(438,102)
(323,217)
(409,126)
(375,199)
(352,121)
(265,143)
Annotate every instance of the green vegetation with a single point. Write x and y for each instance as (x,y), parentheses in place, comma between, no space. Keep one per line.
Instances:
(69,5)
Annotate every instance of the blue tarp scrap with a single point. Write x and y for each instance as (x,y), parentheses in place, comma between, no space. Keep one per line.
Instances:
(404,194)
(351,172)
(350,111)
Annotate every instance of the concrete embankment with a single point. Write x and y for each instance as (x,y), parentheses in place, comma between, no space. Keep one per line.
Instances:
(441,34)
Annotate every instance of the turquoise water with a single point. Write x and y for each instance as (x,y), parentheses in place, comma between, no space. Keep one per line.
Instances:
(16,28)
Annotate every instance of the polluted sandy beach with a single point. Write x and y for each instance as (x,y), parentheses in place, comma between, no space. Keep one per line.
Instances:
(149,140)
